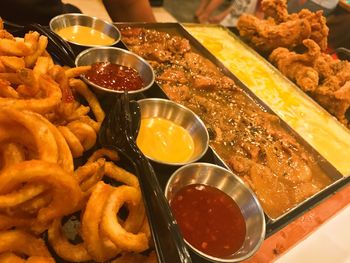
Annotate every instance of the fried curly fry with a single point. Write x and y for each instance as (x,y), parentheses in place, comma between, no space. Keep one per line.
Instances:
(66,193)
(21,242)
(11,153)
(76,72)
(90,174)
(31,59)
(30,125)
(40,105)
(112,228)
(99,248)
(21,195)
(63,248)
(43,124)
(73,142)
(7,91)
(103,152)
(14,48)
(82,88)
(12,63)
(85,133)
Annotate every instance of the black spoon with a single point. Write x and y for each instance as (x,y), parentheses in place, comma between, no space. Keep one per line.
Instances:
(116,132)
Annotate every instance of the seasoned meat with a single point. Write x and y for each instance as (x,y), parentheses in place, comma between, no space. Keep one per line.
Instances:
(173,75)
(177,93)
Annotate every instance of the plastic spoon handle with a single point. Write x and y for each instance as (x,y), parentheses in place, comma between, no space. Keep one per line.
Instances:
(169,242)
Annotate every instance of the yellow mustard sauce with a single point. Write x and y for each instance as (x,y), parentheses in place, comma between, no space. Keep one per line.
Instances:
(330,138)
(85,35)
(165,141)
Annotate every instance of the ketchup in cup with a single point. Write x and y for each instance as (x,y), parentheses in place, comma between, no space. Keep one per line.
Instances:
(114,76)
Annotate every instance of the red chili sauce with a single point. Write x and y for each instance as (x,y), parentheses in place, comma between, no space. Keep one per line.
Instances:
(209,219)
(114,76)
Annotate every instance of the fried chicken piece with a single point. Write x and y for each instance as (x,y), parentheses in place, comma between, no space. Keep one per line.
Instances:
(298,67)
(334,93)
(277,10)
(266,35)
(280,29)
(319,28)
(325,79)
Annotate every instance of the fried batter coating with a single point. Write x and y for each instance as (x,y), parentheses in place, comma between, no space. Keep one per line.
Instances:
(266,35)
(298,67)
(327,80)
(280,29)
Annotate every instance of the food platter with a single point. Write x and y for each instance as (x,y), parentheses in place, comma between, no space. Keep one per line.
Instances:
(335,180)
(273,224)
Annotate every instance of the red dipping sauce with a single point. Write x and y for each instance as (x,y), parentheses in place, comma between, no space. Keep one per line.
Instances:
(114,76)
(209,219)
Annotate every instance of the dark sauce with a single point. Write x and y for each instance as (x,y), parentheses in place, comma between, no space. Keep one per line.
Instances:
(114,76)
(209,220)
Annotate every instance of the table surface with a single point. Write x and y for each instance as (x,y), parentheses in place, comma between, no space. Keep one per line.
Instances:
(320,235)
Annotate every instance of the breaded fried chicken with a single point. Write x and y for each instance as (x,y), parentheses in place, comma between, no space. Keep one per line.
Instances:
(280,29)
(298,67)
(325,79)
(266,35)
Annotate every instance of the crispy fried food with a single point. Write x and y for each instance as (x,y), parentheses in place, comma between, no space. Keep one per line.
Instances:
(30,81)
(85,133)
(22,243)
(9,257)
(76,72)
(99,247)
(23,194)
(90,174)
(113,229)
(37,135)
(12,47)
(59,75)
(266,35)
(42,105)
(277,10)
(65,191)
(12,63)
(75,146)
(27,129)
(103,152)
(97,244)
(6,90)
(63,248)
(43,124)
(11,153)
(298,67)
(279,29)
(31,59)
(325,79)
(84,91)
(319,29)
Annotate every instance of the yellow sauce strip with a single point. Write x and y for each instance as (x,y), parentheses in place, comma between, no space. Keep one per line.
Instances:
(85,36)
(321,130)
(165,141)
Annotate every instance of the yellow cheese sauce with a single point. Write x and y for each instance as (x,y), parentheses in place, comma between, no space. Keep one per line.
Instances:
(330,138)
(165,141)
(85,36)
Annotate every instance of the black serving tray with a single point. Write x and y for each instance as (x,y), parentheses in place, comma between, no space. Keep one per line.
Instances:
(272,225)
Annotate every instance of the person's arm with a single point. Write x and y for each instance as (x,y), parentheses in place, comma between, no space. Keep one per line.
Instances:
(129,10)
